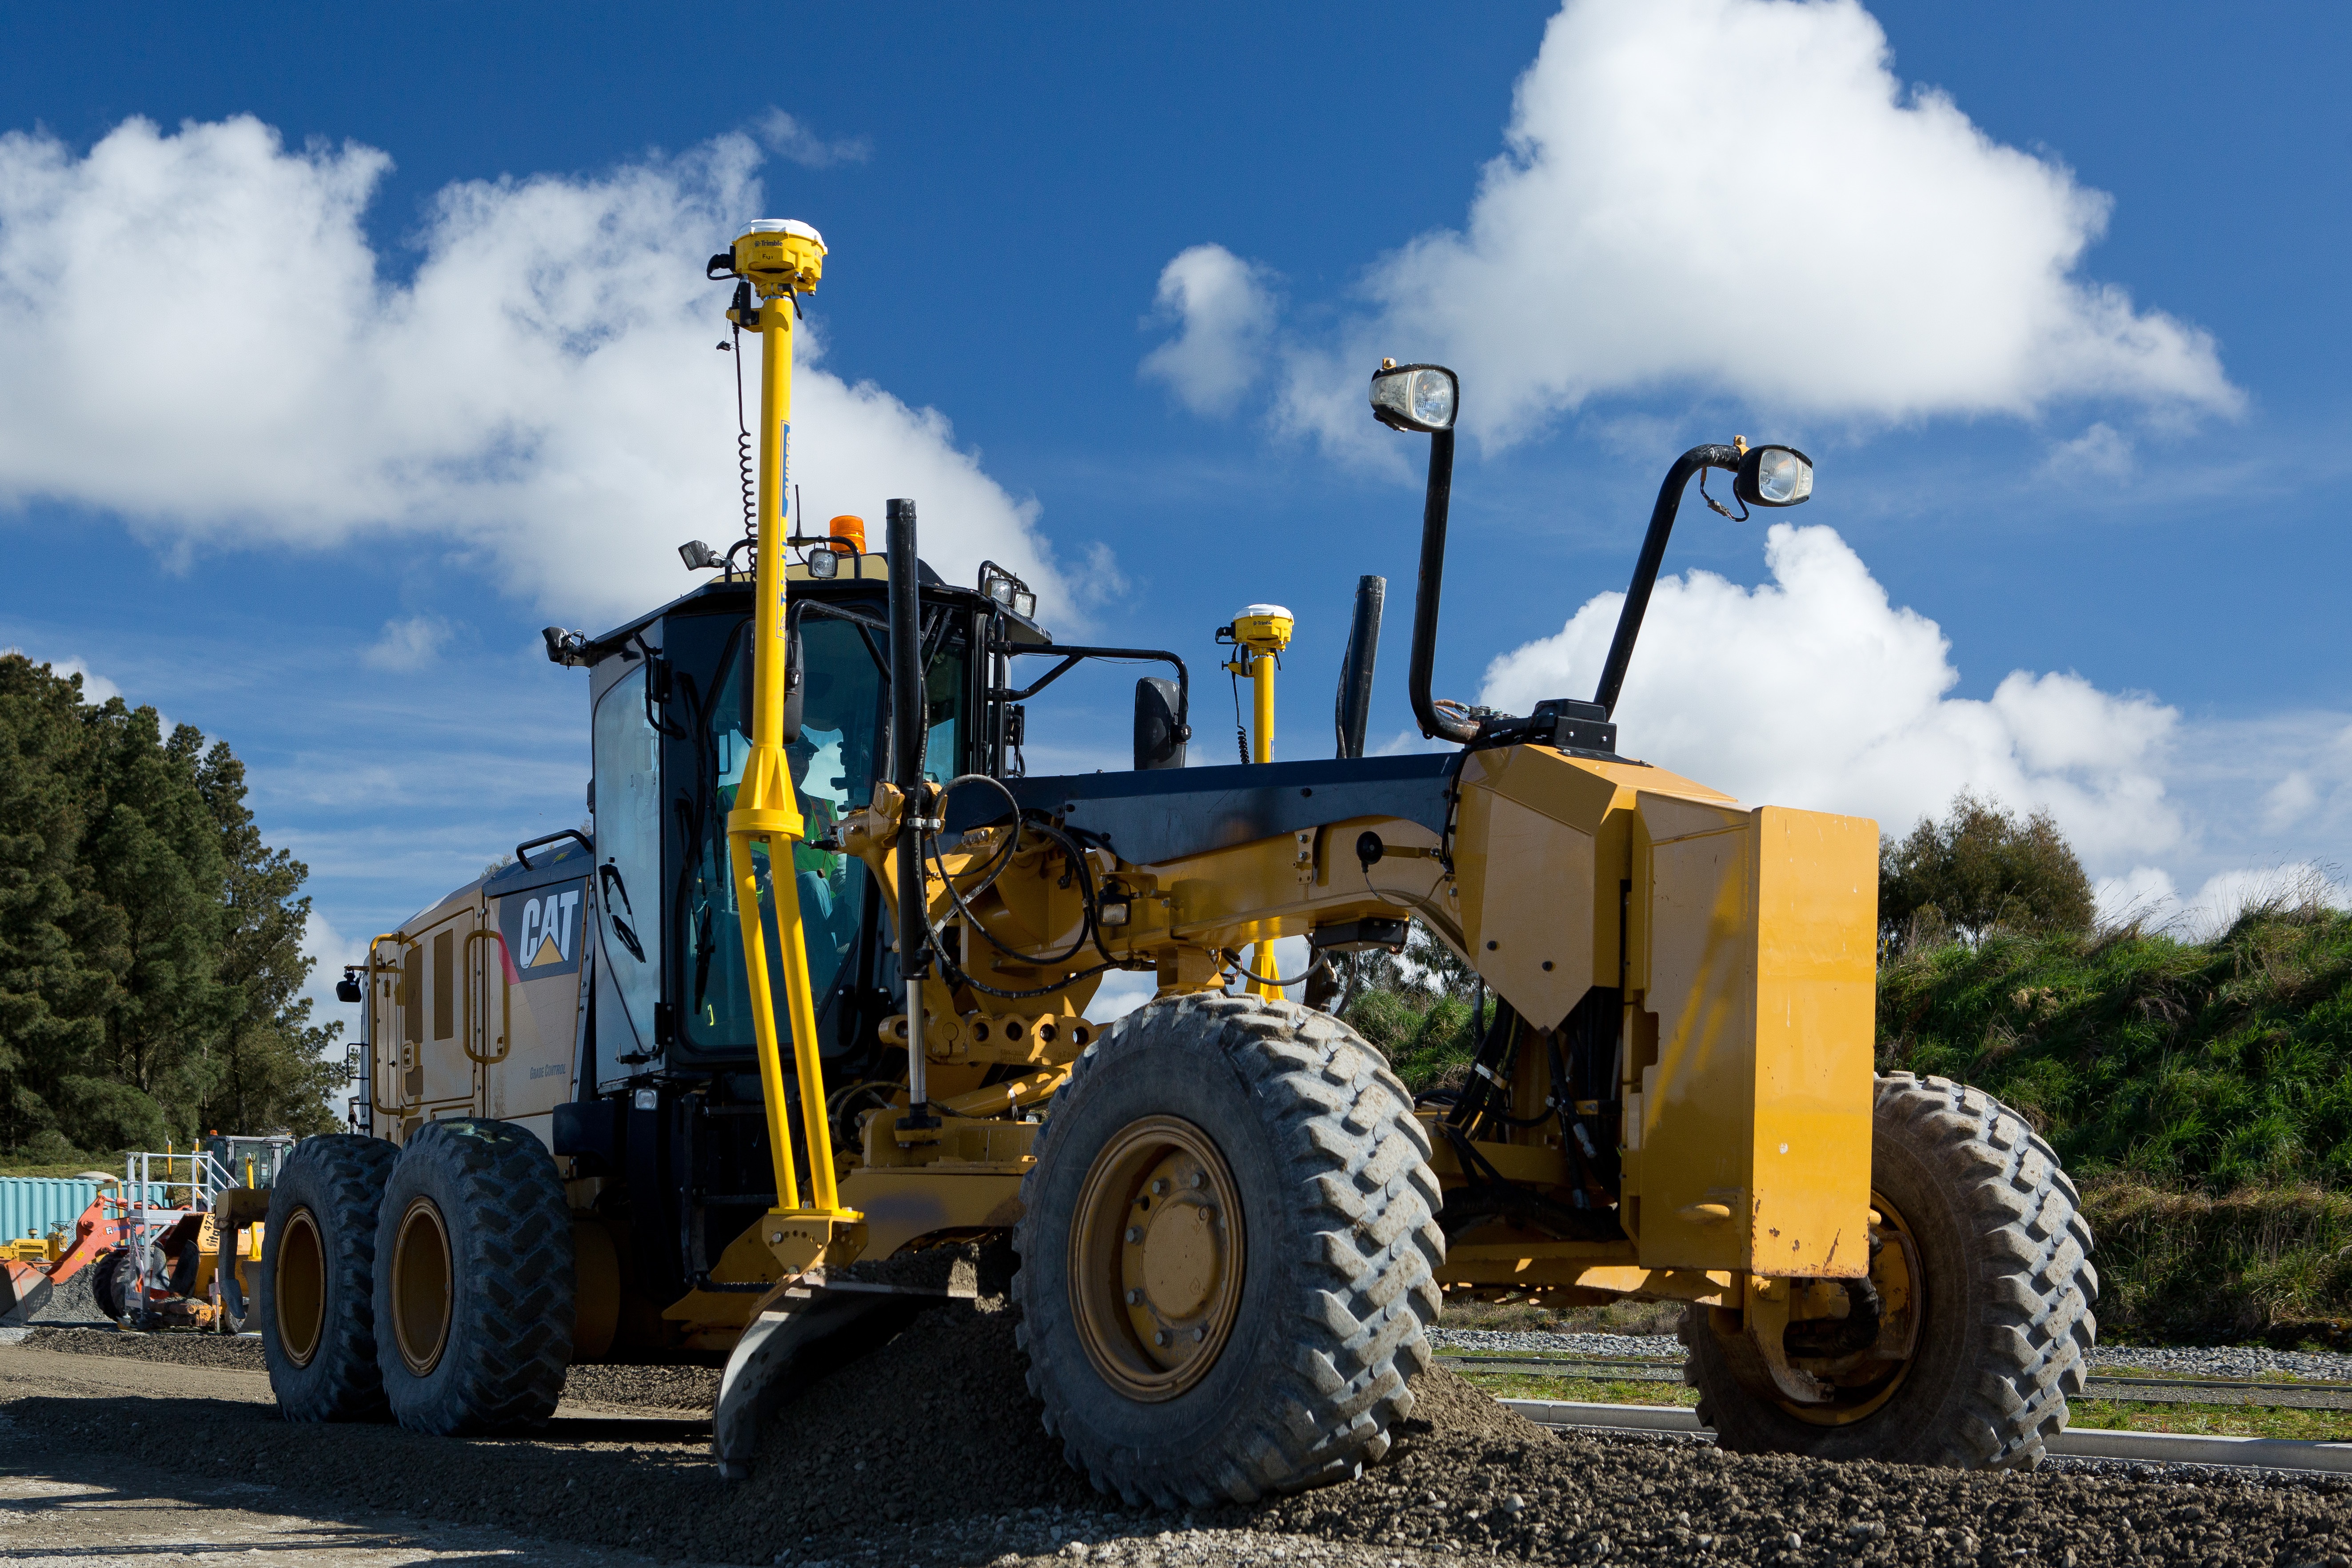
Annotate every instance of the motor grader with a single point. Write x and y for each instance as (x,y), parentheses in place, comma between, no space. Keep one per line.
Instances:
(793,1043)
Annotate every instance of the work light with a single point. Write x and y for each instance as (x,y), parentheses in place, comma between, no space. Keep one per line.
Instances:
(1007,590)
(1774,476)
(1414,396)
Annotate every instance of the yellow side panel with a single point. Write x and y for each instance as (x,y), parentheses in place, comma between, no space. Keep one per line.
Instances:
(1750,1134)
(1692,1120)
(1817,925)
(1528,915)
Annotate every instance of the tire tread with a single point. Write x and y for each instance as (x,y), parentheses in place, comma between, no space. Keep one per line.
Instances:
(1357,1161)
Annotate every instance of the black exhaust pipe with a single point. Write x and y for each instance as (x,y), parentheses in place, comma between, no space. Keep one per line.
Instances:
(1353,709)
(908,735)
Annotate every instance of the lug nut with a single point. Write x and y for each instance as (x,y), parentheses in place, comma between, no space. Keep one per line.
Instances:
(1201,1335)
(1159,1187)
(1200,1180)
(1134,1235)
(1135,1298)
(1160,1337)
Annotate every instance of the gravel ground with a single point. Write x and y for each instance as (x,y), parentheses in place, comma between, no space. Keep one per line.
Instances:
(2171,1361)
(1609,1347)
(663,1387)
(930,1452)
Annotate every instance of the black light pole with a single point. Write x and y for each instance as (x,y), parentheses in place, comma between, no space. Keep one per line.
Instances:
(1645,569)
(908,733)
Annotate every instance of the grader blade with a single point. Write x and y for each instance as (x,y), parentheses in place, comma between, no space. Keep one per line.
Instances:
(813,1329)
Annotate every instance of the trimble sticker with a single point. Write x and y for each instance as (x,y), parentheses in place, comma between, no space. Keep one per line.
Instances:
(543,929)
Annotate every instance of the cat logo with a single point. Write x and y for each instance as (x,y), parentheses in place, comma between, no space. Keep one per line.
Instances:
(542,928)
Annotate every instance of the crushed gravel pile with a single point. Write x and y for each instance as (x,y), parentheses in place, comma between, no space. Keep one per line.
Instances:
(2225,1361)
(70,1302)
(2167,1361)
(1525,1342)
(241,1351)
(930,1452)
(942,1417)
(655,1388)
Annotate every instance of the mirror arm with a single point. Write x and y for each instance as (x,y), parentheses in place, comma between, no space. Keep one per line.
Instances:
(1645,569)
(1426,590)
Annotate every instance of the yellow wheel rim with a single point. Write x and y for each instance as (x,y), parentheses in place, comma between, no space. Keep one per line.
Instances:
(1156,1259)
(422,1297)
(1894,1267)
(299,1290)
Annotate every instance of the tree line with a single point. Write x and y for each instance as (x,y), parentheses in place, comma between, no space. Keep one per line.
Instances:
(150,943)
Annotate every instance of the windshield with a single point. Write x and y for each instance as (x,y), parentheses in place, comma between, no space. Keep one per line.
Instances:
(833,765)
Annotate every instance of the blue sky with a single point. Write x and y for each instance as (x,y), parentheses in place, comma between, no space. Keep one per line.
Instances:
(2056,308)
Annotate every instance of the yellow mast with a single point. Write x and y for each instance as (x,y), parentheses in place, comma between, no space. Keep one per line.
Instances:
(782,259)
(1263,631)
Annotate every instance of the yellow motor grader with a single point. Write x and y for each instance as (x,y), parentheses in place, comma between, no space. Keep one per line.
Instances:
(793,1044)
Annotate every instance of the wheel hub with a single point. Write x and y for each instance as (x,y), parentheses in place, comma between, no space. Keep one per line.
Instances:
(299,1290)
(1156,1259)
(422,1285)
(1861,1376)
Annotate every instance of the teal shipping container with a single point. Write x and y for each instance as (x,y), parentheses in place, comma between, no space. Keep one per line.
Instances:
(30,1205)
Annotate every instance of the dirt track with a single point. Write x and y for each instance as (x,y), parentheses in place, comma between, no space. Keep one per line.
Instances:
(931,1453)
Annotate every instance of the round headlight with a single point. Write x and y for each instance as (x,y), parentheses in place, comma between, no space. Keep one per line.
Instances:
(1433,398)
(1783,478)
(1414,397)
(1774,476)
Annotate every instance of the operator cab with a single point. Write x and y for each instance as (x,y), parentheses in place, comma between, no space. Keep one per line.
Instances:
(671,701)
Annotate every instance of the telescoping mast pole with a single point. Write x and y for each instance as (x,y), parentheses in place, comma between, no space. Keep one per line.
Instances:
(781,260)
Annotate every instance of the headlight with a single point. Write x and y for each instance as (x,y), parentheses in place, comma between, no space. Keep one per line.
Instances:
(1414,396)
(1007,590)
(824,564)
(1774,476)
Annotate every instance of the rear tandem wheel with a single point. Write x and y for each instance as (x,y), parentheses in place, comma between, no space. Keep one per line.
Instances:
(1228,1254)
(473,1294)
(316,1295)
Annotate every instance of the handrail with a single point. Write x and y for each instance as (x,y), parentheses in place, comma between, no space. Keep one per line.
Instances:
(523,849)
(506,996)
(375,1056)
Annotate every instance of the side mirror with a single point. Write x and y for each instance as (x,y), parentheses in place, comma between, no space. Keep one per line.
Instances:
(1160,737)
(1415,397)
(1774,476)
(795,688)
(795,685)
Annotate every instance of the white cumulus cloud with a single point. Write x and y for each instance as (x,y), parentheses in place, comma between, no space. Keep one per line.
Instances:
(786,137)
(541,390)
(1222,308)
(407,645)
(1813,690)
(2147,896)
(96,690)
(1742,197)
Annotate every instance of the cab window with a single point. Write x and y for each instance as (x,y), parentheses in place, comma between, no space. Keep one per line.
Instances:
(835,765)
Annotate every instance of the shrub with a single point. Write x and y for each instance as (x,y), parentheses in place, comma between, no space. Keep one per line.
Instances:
(1979,871)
